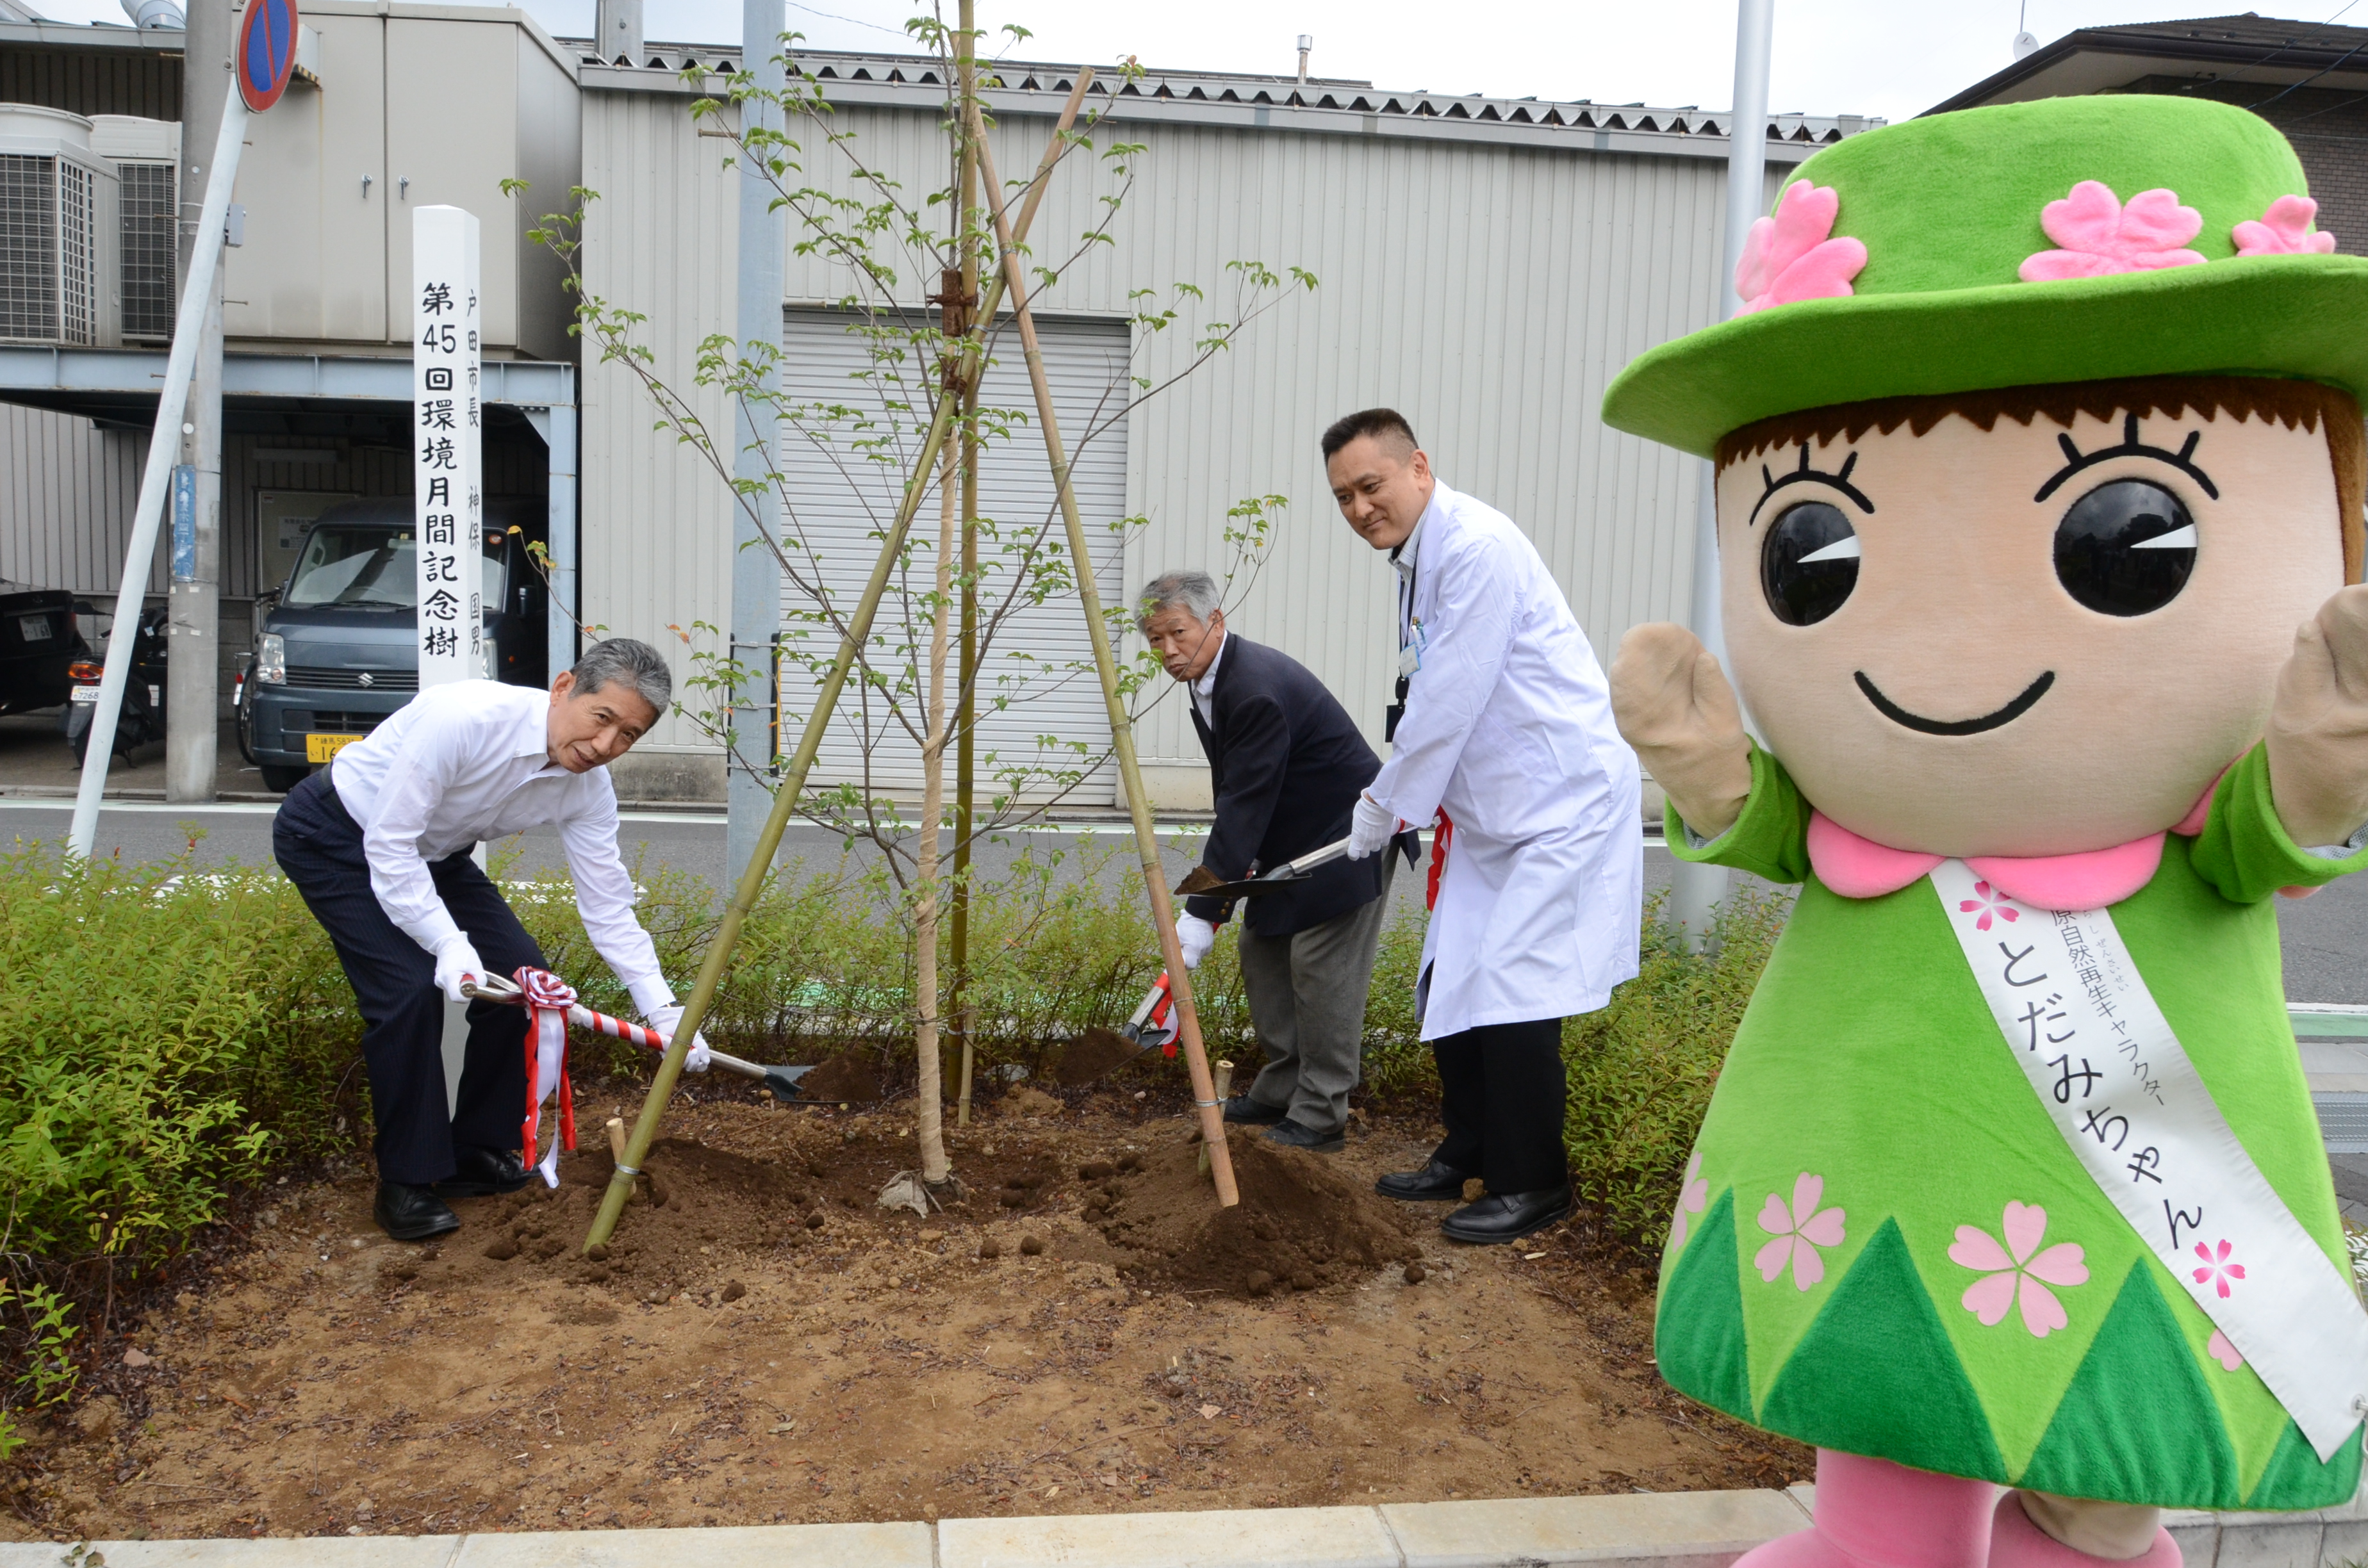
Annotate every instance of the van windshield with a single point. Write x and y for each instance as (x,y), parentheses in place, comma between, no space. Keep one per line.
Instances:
(370,566)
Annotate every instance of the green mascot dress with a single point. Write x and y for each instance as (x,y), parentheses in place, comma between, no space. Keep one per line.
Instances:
(2037,437)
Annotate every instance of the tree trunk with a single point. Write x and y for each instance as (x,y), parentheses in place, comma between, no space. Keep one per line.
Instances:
(935,1166)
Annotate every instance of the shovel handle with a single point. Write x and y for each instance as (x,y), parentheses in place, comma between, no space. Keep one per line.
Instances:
(494,988)
(1308,862)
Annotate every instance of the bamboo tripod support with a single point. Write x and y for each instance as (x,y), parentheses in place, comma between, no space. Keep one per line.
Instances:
(850,646)
(1138,805)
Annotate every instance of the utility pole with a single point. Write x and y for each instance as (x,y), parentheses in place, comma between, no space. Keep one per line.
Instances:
(193,659)
(756,575)
(1695,889)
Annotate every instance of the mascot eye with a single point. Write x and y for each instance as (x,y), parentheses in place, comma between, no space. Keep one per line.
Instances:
(1809,563)
(2126,547)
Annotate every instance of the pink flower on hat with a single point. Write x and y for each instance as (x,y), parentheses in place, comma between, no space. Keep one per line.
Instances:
(1793,255)
(2100,237)
(2284,230)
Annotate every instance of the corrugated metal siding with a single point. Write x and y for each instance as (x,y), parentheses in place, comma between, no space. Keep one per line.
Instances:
(146,85)
(657,540)
(842,500)
(66,494)
(1489,293)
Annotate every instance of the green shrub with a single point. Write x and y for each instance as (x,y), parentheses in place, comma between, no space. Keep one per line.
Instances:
(1641,1070)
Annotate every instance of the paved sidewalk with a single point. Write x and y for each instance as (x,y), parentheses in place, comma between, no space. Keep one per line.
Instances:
(1672,1530)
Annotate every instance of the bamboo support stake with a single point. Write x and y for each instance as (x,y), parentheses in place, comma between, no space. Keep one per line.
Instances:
(1225,1074)
(1147,837)
(965,701)
(785,799)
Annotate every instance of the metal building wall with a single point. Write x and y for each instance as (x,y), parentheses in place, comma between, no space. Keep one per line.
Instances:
(1489,292)
(655,534)
(66,494)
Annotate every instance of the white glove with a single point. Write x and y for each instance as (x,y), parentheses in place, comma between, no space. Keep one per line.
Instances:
(1371,830)
(664,1019)
(1196,937)
(457,961)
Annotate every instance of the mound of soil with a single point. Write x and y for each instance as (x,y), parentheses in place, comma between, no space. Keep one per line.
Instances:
(1302,1221)
(1090,1055)
(844,1079)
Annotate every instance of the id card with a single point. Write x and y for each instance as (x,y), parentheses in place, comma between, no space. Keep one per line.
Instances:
(1410,653)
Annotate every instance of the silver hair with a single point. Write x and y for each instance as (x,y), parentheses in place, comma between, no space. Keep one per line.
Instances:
(634,663)
(1196,591)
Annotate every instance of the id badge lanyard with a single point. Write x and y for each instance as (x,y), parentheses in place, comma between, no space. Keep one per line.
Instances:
(1412,639)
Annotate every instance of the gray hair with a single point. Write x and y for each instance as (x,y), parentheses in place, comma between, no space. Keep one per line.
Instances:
(1196,591)
(634,663)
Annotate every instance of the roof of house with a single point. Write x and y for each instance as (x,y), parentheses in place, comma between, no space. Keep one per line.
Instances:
(2249,48)
(1321,104)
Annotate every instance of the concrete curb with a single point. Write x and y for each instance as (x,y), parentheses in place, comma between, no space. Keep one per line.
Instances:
(1666,1529)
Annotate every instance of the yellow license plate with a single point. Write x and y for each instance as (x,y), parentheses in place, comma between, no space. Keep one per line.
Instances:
(321,748)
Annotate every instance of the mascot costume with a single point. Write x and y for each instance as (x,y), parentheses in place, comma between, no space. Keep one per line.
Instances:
(2039,435)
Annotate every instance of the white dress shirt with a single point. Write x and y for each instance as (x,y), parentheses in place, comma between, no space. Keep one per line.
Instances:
(1508,726)
(470,761)
(1205,689)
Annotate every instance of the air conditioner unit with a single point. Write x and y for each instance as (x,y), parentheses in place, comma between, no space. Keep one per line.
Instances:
(59,214)
(146,154)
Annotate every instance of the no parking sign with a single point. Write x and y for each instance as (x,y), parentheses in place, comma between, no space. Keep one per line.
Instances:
(266,51)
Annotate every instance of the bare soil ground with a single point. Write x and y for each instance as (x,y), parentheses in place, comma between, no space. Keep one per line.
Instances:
(1083,1333)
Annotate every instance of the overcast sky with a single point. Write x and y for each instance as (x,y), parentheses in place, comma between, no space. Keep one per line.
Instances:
(1892,58)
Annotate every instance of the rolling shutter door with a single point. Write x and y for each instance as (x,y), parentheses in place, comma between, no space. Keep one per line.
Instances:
(843,496)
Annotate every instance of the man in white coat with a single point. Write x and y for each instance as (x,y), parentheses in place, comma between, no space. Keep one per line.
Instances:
(1503,734)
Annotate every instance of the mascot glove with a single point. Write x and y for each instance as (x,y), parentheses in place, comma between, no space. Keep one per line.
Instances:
(1673,705)
(457,961)
(2318,734)
(664,1021)
(1196,937)
(1370,828)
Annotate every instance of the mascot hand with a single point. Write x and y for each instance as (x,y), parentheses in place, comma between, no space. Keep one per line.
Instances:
(1672,703)
(2318,725)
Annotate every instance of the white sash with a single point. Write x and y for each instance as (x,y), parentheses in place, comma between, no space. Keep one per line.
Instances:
(2115,1081)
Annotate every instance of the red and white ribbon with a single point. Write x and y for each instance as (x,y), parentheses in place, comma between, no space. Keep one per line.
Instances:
(549,1002)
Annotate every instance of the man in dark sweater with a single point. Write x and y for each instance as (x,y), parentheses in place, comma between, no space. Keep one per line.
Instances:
(1287,765)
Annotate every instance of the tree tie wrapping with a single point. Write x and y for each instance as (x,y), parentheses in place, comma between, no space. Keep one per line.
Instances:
(548,1000)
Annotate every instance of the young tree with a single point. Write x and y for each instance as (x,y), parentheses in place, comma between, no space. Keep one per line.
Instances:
(860,446)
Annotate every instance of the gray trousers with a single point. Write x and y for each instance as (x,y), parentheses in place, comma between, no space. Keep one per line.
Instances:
(1307,1003)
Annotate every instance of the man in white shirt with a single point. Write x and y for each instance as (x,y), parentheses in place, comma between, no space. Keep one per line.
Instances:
(380,844)
(1504,734)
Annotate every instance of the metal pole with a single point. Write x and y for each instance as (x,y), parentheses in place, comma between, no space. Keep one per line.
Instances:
(557,427)
(1138,804)
(1695,889)
(793,779)
(755,573)
(163,446)
(193,598)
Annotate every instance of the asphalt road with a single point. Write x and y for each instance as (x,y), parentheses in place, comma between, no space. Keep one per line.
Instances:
(2326,935)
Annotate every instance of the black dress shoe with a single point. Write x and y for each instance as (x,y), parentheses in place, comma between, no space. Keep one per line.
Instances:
(1434,1183)
(1507,1216)
(413,1213)
(1256,1113)
(483,1173)
(1292,1135)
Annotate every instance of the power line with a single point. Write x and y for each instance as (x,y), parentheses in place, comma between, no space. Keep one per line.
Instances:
(2306,80)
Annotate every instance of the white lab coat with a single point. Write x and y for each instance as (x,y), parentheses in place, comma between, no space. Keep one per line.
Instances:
(1508,726)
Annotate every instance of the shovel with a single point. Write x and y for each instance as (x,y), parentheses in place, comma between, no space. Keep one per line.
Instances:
(782,1081)
(1101,1050)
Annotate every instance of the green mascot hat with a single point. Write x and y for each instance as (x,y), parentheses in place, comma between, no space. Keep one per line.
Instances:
(2067,239)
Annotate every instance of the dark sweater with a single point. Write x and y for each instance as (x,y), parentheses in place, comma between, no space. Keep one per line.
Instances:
(1287,764)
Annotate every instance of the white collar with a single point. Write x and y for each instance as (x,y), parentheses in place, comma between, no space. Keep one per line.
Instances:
(1404,557)
(1206,687)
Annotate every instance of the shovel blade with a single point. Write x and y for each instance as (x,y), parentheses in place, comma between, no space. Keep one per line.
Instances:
(1094,1053)
(784,1082)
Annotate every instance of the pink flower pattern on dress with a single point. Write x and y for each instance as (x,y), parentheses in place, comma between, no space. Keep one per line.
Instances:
(2228,1355)
(1989,901)
(2217,1270)
(1692,1198)
(1793,255)
(2099,236)
(2284,230)
(1799,1230)
(2019,1273)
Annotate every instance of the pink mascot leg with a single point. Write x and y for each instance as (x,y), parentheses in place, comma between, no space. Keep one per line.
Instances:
(1874,1514)
(2103,1533)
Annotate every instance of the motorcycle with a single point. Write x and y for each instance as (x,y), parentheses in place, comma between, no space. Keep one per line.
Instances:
(142,718)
